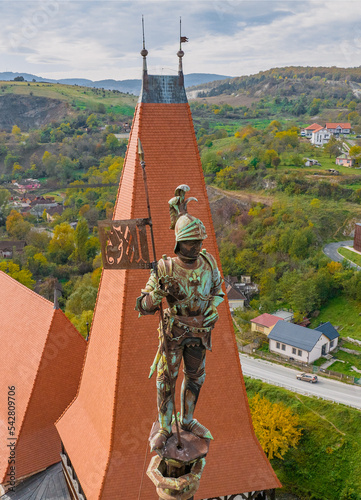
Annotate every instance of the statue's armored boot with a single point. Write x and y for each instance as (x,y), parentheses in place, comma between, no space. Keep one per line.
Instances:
(165,411)
(187,422)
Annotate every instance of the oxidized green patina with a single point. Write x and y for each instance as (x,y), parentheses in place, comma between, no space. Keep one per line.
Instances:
(191,284)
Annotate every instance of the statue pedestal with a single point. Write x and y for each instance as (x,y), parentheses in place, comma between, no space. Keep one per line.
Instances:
(176,471)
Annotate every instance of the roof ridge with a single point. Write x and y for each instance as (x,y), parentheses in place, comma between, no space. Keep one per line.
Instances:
(125,286)
(29,290)
(120,347)
(32,389)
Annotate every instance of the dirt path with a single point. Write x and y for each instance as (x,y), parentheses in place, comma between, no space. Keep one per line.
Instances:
(247,197)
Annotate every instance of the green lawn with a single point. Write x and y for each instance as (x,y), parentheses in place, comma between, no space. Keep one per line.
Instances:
(56,194)
(319,361)
(350,345)
(328,456)
(344,313)
(350,255)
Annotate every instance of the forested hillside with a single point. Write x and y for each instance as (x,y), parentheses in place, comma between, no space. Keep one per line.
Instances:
(272,215)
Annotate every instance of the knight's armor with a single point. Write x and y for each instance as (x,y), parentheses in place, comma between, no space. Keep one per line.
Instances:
(193,291)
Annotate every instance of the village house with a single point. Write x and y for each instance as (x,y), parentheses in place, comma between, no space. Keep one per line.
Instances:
(7,248)
(307,132)
(235,297)
(338,128)
(264,323)
(284,314)
(302,344)
(53,212)
(345,160)
(320,136)
(245,286)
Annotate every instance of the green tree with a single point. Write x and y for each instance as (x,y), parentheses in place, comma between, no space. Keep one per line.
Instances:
(24,276)
(333,147)
(62,244)
(80,239)
(92,121)
(112,142)
(49,162)
(83,297)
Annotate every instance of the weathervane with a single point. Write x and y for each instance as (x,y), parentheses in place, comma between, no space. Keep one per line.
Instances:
(180,53)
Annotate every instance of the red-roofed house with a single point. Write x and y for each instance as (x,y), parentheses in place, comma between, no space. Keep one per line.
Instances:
(264,323)
(41,358)
(338,128)
(105,430)
(307,132)
(320,136)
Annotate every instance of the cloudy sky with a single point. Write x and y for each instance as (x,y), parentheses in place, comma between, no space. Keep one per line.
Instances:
(102,39)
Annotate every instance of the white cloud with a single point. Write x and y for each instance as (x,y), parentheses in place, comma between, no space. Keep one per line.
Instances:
(93,39)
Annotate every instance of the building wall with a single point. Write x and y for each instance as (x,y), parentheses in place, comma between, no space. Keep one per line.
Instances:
(233,304)
(277,347)
(357,238)
(317,350)
(320,138)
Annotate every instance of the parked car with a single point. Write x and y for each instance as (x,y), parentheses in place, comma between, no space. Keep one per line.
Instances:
(308,377)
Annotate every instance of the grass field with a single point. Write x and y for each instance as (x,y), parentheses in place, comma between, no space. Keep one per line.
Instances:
(350,255)
(81,97)
(350,345)
(344,313)
(328,456)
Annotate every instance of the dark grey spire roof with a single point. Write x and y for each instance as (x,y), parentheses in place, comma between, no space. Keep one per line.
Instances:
(46,485)
(295,335)
(328,330)
(162,89)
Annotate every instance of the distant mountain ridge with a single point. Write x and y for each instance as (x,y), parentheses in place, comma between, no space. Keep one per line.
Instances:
(126,86)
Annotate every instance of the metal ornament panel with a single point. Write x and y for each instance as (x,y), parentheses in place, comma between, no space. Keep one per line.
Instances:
(124,244)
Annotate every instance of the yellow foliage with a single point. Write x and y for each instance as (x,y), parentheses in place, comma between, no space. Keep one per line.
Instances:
(315,203)
(275,425)
(216,111)
(334,267)
(16,130)
(237,134)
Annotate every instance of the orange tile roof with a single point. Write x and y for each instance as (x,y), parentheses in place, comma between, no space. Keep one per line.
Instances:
(313,126)
(41,355)
(266,319)
(105,431)
(317,129)
(335,125)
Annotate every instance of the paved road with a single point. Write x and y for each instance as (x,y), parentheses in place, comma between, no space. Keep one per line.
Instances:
(279,375)
(331,251)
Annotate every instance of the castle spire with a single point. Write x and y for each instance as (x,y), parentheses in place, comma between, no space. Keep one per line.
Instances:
(180,53)
(144,53)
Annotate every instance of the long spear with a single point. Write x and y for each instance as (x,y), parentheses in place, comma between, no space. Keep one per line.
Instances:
(155,267)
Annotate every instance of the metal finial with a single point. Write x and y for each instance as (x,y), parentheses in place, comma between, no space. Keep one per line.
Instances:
(144,51)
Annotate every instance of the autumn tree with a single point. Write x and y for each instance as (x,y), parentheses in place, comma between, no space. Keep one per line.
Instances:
(24,276)
(275,425)
(333,147)
(62,244)
(16,130)
(16,226)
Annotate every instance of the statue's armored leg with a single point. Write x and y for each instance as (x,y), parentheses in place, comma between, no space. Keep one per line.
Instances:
(164,396)
(194,374)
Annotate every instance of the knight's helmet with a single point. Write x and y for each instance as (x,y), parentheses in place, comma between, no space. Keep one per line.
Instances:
(186,226)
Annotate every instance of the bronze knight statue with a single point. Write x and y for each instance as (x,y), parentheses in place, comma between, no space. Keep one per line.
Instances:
(191,284)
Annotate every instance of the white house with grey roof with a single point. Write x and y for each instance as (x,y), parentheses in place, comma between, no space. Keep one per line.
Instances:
(302,344)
